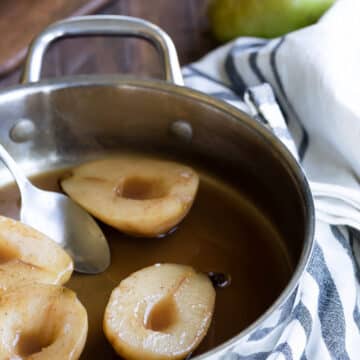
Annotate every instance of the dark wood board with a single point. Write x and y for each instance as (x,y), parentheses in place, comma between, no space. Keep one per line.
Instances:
(185,21)
(21,20)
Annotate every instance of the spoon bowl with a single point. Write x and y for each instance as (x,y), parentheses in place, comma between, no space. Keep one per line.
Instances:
(60,218)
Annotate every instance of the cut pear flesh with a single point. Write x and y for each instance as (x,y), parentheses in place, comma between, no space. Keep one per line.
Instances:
(42,322)
(160,312)
(137,195)
(28,256)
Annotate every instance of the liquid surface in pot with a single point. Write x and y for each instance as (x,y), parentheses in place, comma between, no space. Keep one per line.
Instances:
(223,232)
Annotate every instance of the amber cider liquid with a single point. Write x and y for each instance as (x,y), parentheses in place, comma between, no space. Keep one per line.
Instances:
(223,232)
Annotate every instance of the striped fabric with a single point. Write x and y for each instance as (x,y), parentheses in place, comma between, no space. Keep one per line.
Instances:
(321,320)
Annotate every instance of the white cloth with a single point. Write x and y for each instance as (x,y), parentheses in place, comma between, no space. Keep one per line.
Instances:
(315,73)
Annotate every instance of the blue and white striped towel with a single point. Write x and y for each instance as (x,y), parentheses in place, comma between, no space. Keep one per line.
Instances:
(315,73)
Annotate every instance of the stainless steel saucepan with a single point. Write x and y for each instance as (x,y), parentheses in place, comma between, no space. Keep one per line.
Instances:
(49,124)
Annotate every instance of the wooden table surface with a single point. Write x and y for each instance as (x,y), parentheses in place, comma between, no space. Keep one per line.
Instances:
(184,20)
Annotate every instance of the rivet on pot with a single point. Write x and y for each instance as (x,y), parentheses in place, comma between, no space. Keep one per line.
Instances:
(22,131)
(182,130)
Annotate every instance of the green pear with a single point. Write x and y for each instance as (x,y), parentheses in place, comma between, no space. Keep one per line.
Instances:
(263,18)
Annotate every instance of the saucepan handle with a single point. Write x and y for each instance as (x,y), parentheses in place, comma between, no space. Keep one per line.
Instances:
(107,25)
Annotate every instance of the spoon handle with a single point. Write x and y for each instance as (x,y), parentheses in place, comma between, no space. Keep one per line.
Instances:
(15,170)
